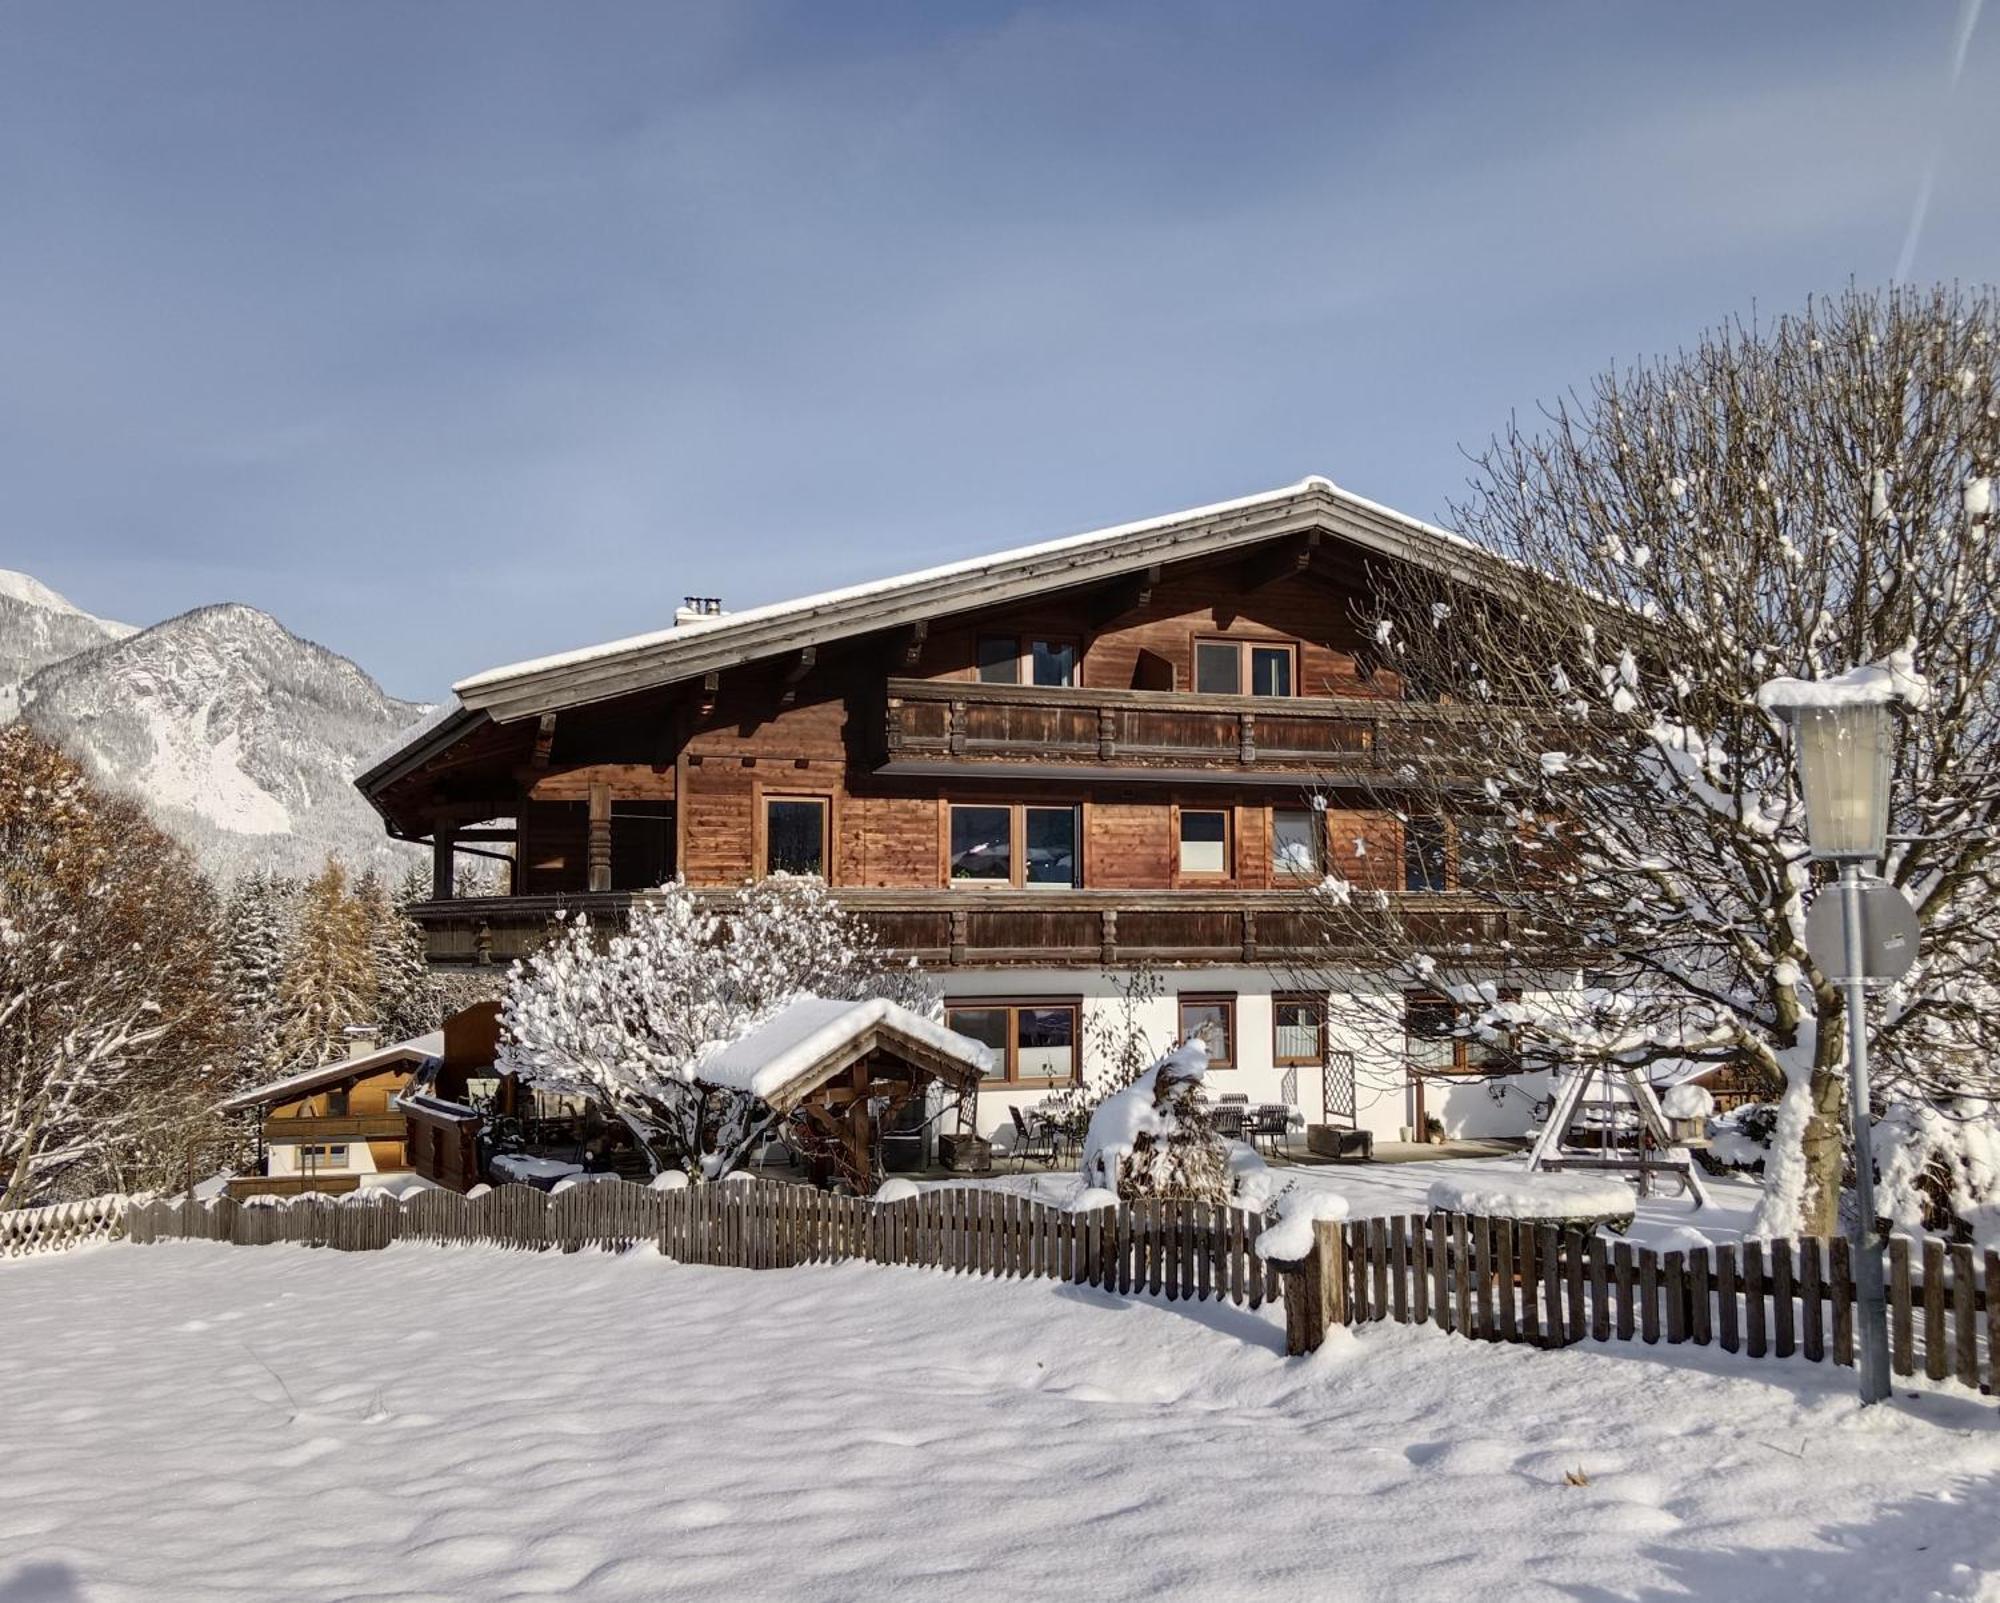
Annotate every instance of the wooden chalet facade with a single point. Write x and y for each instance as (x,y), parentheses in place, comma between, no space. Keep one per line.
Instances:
(1030,772)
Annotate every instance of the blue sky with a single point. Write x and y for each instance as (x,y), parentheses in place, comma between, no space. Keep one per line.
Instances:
(456,334)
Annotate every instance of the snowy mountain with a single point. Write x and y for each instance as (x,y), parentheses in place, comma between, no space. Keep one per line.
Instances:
(38,627)
(242,739)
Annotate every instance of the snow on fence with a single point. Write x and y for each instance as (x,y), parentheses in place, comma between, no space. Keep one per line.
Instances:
(1501,1280)
(1174,1250)
(61,1225)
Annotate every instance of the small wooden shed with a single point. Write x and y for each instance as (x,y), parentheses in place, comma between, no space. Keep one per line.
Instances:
(847,1073)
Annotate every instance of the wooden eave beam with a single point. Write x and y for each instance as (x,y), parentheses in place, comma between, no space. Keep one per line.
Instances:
(913,642)
(802,665)
(545,740)
(1281,559)
(711,691)
(1127,595)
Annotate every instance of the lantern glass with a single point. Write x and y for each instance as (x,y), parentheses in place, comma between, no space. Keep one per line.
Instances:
(1844,758)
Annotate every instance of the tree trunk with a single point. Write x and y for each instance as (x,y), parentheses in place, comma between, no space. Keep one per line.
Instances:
(1825,1138)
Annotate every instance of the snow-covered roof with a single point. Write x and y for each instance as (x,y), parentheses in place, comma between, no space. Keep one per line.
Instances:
(808,1041)
(414,1050)
(705,645)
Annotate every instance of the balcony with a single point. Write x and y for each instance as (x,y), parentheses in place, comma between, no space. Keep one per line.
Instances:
(978,928)
(933,726)
(334,1127)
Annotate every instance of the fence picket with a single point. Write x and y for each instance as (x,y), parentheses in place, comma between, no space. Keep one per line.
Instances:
(1649,1296)
(1549,1250)
(1935,1348)
(1812,1289)
(1505,1278)
(1903,1342)
(1965,1327)
(1783,1324)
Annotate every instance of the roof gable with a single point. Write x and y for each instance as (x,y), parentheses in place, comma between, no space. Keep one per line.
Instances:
(687,651)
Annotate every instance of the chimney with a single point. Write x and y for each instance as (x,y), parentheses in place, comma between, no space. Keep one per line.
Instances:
(698,609)
(361,1040)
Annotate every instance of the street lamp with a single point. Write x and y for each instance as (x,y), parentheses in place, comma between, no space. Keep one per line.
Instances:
(1844,736)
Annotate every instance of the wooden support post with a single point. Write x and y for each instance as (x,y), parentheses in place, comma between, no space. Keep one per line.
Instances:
(444,845)
(600,838)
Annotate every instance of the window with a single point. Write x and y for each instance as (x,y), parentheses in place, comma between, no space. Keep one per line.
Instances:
(1298,844)
(1052,662)
(323,1157)
(1011,660)
(1298,1030)
(982,844)
(1013,845)
(1270,670)
(1213,1018)
(1204,846)
(642,844)
(1218,668)
(336,1102)
(1435,1042)
(795,835)
(1424,854)
(1027,1043)
(1050,858)
(1230,667)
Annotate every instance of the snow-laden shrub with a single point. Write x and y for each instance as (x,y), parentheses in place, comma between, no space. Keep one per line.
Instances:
(1939,1167)
(1157,1138)
(1741,1138)
(896,1189)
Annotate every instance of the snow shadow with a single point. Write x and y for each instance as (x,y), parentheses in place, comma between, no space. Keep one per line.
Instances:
(1920,1547)
(1227,1318)
(40,1583)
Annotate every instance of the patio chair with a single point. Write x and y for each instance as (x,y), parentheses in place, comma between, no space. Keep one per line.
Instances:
(1229,1117)
(1032,1139)
(1268,1123)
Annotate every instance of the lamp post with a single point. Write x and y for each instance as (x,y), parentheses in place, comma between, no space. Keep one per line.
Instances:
(1845,746)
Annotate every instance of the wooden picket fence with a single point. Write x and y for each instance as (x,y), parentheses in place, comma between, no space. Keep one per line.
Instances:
(1498,1280)
(1174,1250)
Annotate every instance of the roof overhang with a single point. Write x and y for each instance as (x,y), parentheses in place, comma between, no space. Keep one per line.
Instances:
(644,662)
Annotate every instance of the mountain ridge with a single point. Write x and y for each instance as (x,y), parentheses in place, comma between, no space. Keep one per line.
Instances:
(241,738)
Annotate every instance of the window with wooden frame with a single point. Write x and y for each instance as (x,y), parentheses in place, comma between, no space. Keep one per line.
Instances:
(323,1157)
(1436,1042)
(1426,857)
(1032,659)
(1028,1042)
(1298,1031)
(1245,667)
(1014,843)
(1298,845)
(642,844)
(1213,1018)
(797,834)
(1203,842)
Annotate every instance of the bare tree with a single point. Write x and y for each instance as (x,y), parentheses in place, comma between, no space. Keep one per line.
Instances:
(1596,775)
(112,1026)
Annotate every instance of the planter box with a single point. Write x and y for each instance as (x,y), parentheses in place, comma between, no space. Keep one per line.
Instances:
(1337,1141)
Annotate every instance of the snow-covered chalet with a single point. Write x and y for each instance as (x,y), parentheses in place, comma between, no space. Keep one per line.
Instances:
(1033,772)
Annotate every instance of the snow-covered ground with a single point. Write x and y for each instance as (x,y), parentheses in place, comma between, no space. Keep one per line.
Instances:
(199,1421)
(1375,1190)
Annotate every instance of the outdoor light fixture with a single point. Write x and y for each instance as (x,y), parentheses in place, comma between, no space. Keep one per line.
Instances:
(1845,753)
(1844,733)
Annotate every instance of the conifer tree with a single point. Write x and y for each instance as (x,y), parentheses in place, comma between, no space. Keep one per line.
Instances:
(329,980)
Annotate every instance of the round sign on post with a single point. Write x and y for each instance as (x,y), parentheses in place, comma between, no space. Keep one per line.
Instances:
(1889,934)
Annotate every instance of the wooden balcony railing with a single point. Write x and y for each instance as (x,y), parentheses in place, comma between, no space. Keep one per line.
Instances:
(335,1127)
(982,928)
(928,722)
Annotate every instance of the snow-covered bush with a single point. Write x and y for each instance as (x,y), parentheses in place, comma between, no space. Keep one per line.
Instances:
(1156,1138)
(1940,1168)
(627,1022)
(1741,1138)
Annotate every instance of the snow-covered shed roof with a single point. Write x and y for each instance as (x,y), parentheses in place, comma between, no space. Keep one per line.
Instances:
(807,1042)
(710,644)
(415,1050)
